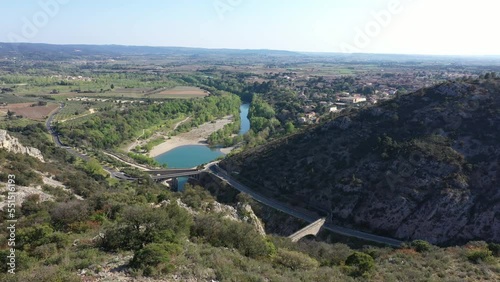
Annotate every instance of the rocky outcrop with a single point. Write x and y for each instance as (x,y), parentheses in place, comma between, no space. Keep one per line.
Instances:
(242,212)
(247,215)
(22,193)
(277,222)
(13,145)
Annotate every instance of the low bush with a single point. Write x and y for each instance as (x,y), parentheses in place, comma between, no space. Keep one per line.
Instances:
(478,256)
(360,264)
(421,246)
(295,260)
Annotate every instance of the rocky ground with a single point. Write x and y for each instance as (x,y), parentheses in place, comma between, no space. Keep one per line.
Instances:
(116,267)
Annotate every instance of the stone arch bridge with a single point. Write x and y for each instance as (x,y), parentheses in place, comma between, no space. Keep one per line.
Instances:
(311,229)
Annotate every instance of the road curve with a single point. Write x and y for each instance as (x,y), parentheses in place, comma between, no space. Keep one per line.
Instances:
(57,141)
(218,172)
(304,215)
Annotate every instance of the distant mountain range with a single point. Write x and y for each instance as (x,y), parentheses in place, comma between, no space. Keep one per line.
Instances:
(41,51)
(10,49)
(423,166)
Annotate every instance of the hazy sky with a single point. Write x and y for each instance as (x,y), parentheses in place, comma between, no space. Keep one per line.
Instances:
(452,27)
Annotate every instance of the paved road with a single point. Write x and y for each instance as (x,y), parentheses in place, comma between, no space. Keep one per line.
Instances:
(217,171)
(170,171)
(304,215)
(57,141)
(140,167)
(175,175)
(115,174)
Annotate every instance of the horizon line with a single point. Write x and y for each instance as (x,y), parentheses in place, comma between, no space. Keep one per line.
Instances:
(259,49)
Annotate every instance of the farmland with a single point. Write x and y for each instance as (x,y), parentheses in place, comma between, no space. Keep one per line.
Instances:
(181,92)
(60,87)
(77,110)
(30,110)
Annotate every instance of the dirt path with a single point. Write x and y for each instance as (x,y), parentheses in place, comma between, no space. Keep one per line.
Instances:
(124,161)
(135,143)
(92,111)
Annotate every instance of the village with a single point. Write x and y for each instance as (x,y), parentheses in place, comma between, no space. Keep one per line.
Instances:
(324,95)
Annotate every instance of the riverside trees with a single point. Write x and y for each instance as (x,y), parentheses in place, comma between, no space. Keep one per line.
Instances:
(110,129)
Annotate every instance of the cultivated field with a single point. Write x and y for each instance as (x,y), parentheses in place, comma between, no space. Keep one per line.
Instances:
(27,110)
(77,111)
(117,94)
(11,99)
(181,92)
(138,93)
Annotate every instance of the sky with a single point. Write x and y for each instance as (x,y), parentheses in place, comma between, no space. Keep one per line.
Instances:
(439,27)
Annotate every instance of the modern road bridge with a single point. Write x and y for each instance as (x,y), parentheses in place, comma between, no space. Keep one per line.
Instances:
(215,170)
(159,175)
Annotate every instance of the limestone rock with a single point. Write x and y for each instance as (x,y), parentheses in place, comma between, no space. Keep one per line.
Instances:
(13,145)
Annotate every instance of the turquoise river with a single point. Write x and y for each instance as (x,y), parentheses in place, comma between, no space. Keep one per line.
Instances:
(194,155)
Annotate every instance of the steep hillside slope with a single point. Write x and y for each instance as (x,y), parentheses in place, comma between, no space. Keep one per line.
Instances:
(423,166)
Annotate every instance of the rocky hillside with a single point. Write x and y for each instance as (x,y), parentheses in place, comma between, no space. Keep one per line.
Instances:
(422,166)
(12,144)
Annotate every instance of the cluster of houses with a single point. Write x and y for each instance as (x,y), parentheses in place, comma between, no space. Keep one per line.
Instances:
(72,78)
(334,93)
(87,99)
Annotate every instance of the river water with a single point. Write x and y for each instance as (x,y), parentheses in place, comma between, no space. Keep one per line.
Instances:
(194,155)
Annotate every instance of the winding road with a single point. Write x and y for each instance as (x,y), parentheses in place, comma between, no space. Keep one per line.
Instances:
(57,141)
(298,213)
(215,170)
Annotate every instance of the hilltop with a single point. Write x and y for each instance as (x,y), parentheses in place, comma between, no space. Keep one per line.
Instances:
(422,166)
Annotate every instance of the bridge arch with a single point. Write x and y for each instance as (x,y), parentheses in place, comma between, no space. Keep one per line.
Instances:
(312,229)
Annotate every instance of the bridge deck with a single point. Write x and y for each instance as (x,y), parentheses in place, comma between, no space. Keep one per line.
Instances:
(311,229)
(175,175)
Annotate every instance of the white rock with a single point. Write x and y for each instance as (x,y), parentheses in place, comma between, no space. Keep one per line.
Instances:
(12,144)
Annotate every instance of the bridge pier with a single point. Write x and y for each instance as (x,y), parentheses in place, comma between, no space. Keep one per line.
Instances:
(196,176)
(175,184)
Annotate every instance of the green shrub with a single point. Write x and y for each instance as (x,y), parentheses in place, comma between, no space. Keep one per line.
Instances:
(31,237)
(23,261)
(154,259)
(64,214)
(195,196)
(494,248)
(221,232)
(47,274)
(141,225)
(326,254)
(421,246)
(45,251)
(360,264)
(295,260)
(477,256)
